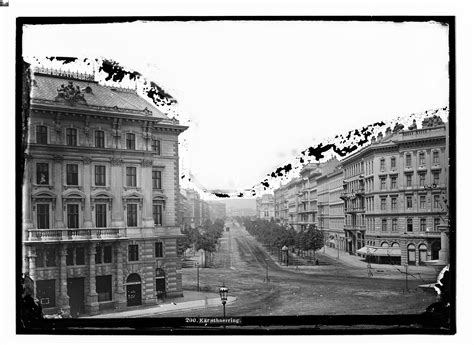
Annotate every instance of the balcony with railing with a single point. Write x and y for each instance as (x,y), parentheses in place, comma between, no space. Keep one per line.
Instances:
(82,234)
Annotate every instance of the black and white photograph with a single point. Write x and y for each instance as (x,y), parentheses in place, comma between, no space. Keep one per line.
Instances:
(236,175)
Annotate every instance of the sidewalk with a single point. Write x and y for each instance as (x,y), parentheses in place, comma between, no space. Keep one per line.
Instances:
(190,300)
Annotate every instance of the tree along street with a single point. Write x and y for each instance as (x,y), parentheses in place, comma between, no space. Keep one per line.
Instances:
(243,264)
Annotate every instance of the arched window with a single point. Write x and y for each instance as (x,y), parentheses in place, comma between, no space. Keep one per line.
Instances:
(411,253)
(384,245)
(395,245)
(422,250)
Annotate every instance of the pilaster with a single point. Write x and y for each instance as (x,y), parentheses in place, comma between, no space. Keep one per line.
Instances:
(87,191)
(58,180)
(92,304)
(63,296)
(120,299)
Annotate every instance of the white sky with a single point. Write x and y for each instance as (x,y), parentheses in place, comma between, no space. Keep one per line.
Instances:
(258,93)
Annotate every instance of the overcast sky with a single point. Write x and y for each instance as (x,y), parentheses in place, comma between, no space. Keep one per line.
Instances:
(255,94)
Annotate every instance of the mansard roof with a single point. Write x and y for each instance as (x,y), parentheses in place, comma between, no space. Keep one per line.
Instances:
(46,87)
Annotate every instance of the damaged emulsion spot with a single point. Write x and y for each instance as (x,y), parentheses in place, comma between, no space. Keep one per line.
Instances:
(64,59)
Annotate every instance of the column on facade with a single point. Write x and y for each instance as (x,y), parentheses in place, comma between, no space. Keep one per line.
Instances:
(119,294)
(31,254)
(117,187)
(92,304)
(87,192)
(58,188)
(27,216)
(146,183)
(63,296)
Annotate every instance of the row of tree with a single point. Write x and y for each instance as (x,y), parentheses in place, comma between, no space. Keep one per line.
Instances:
(276,235)
(205,237)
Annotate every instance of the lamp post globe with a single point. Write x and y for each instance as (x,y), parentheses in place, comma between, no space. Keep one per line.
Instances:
(223,291)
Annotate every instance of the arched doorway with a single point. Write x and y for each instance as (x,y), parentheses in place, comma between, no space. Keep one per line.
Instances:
(435,248)
(160,284)
(134,290)
(411,254)
(422,249)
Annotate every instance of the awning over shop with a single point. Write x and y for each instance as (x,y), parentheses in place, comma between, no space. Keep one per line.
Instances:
(366,250)
(386,251)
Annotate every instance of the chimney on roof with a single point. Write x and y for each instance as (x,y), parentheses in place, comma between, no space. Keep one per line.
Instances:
(388,131)
(372,140)
(379,136)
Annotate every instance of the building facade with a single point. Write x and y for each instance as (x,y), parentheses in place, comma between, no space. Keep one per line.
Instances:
(397,200)
(266,207)
(100,197)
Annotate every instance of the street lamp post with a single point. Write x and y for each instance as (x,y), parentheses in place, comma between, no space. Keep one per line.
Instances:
(197,266)
(223,291)
(284,251)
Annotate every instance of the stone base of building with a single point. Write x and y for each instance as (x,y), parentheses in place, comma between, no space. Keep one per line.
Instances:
(174,294)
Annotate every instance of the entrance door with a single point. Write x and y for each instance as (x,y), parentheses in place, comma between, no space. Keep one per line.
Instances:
(134,290)
(160,284)
(75,291)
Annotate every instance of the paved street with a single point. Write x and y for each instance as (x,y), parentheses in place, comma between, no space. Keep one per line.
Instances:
(335,288)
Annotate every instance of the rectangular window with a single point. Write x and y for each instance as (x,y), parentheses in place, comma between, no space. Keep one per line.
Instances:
(156,176)
(423,224)
(72,178)
(73,216)
(158,214)
(42,173)
(394,224)
(409,202)
(99,139)
(384,225)
(158,249)
(393,163)
(408,160)
(107,254)
(132,215)
(437,222)
(80,256)
(100,175)
(436,178)
(393,182)
(422,179)
(101,215)
(435,157)
(383,204)
(42,216)
(156,146)
(382,164)
(41,134)
(422,201)
(103,287)
(133,252)
(422,158)
(39,258)
(70,256)
(130,138)
(394,204)
(50,254)
(383,184)
(131,176)
(437,201)
(408,180)
(71,137)
(409,225)
(98,254)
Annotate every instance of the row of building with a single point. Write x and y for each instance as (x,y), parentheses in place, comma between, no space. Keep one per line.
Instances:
(102,205)
(387,199)
(194,211)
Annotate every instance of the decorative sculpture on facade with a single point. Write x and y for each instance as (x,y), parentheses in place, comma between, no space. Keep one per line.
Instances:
(70,94)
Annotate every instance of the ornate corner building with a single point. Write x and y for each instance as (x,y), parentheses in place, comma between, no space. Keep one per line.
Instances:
(100,196)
